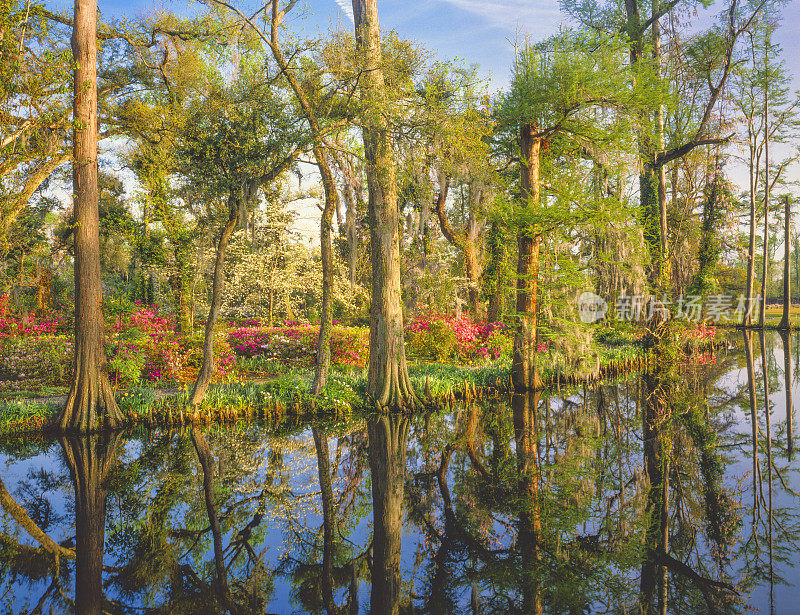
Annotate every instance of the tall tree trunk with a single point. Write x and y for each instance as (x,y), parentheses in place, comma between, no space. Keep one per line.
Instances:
(473,275)
(90,459)
(463,242)
(787,295)
(747,319)
(207,368)
(181,304)
(493,274)
(352,233)
(762,312)
(664,273)
(387,379)
(523,368)
(90,404)
(331,203)
(388,436)
(326,253)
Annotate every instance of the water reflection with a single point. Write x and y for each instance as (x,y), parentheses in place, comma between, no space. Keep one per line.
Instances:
(671,491)
(90,460)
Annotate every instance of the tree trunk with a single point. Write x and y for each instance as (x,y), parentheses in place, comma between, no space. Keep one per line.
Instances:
(352,234)
(388,435)
(787,295)
(90,459)
(462,241)
(747,319)
(473,275)
(523,368)
(207,368)
(326,253)
(181,304)
(90,404)
(387,380)
(331,205)
(493,274)
(664,273)
(762,312)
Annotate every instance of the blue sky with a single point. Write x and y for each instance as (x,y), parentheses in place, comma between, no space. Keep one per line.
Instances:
(476,31)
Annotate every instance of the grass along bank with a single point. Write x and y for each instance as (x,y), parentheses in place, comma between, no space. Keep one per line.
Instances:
(287,395)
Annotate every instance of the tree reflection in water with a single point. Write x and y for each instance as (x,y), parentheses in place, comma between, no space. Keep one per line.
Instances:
(670,491)
(90,460)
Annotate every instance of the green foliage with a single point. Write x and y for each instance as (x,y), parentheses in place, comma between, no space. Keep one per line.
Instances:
(127,367)
(137,401)
(436,344)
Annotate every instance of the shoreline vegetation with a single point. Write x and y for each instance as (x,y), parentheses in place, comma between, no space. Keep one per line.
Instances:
(438,385)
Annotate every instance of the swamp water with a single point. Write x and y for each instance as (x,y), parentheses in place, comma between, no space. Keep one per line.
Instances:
(655,493)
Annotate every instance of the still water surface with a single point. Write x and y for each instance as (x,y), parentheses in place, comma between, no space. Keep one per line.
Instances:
(655,493)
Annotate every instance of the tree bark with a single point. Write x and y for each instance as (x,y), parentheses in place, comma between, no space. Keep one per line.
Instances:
(331,204)
(762,312)
(326,253)
(218,287)
(388,436)
(387,379)
(90,404)
(524,373)
(493,274)
(462,241)
(747,319)
(787,296)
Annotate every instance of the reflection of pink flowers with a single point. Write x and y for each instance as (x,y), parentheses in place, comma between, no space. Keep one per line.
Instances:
(704,331)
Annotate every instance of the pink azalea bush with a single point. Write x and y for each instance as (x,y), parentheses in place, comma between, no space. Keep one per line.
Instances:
(25,324)
(297,344)
(433,336)
(34,361)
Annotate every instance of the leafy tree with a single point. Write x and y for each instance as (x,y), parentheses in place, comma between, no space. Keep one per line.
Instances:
(557,87)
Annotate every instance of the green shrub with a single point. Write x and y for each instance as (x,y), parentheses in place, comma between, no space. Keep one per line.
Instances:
(126,365)
(30,362)
(438,343)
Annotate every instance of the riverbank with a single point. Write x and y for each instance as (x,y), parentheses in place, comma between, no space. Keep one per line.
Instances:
(437,385)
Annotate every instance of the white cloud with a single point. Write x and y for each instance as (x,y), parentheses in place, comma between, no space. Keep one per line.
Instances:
(513,15)
(347,8)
